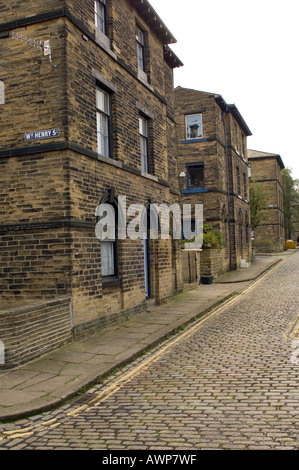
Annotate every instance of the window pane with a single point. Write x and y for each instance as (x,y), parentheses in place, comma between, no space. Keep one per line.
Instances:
(103,112)
(140,49)
(143,130)
(103,101)
(143,126)
(107,258)
(140,36)
(195,177)
(103,134)
(140,57)
(100,14)
(105,227)
(144,154)
(194,126)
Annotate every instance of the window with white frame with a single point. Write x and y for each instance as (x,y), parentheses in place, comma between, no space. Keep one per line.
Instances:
(108,258)
(103,102)
(193,126)
(144,143)
(106,229)
(140,38)
(100,11)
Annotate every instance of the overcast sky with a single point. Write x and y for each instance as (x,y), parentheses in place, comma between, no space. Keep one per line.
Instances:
(246,51)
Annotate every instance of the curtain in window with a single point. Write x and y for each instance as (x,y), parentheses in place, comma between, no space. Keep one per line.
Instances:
(107,257)
(100,15)
(103,116)
(143,131)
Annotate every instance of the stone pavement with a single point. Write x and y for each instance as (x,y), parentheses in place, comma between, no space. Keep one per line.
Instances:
(59,375)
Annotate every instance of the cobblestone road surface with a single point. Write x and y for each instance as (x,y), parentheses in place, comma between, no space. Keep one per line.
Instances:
(229,383)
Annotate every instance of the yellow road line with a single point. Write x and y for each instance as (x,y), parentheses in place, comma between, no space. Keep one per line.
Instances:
(293,330)
(29,430)
(20,434)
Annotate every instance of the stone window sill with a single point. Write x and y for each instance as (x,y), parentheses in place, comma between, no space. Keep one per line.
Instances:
(197,190)
(111,281)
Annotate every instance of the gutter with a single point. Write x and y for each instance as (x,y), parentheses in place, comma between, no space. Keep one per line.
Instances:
(228,191)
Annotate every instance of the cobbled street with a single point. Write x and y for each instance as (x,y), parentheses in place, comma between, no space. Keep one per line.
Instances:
(230,382)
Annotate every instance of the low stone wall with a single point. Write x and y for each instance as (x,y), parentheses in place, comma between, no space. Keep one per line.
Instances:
(86,329)
(267,246)
(28,331)
(211,262)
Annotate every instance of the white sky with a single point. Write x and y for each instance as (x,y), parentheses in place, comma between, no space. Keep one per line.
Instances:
(246,51)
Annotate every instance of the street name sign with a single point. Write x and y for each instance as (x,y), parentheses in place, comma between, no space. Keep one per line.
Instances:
(38,135)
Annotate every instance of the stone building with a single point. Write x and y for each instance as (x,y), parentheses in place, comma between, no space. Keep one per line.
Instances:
(213,171)
(87,118)
(266,170)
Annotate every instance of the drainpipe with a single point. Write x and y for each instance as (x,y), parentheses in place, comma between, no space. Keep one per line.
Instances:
(228,190)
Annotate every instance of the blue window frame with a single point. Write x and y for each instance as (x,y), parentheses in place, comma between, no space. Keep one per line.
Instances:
(195,176)
(193,126)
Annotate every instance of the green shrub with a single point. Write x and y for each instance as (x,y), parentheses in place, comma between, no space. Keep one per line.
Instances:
(211,238)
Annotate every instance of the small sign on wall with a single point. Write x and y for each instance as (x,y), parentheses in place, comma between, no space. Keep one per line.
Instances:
(38,135)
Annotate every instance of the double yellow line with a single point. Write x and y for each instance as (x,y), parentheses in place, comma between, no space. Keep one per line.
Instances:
(118,384)
(29,430)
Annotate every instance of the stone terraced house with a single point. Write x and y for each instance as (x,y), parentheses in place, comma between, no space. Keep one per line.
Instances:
(266,171)
(213,171)
(87,118)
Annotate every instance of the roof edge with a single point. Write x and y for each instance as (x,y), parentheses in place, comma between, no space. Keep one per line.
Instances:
(265,155)
(232,108)
(151,17)
(226,108)
(171,58)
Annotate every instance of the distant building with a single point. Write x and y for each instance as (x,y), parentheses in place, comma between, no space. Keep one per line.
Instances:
(266,170)
(213,170)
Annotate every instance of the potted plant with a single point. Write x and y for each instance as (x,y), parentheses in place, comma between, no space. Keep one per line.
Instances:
(211,238)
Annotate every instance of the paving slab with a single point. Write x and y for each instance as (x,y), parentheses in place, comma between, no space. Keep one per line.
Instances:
(260,264)
(12,379)
(16,397)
